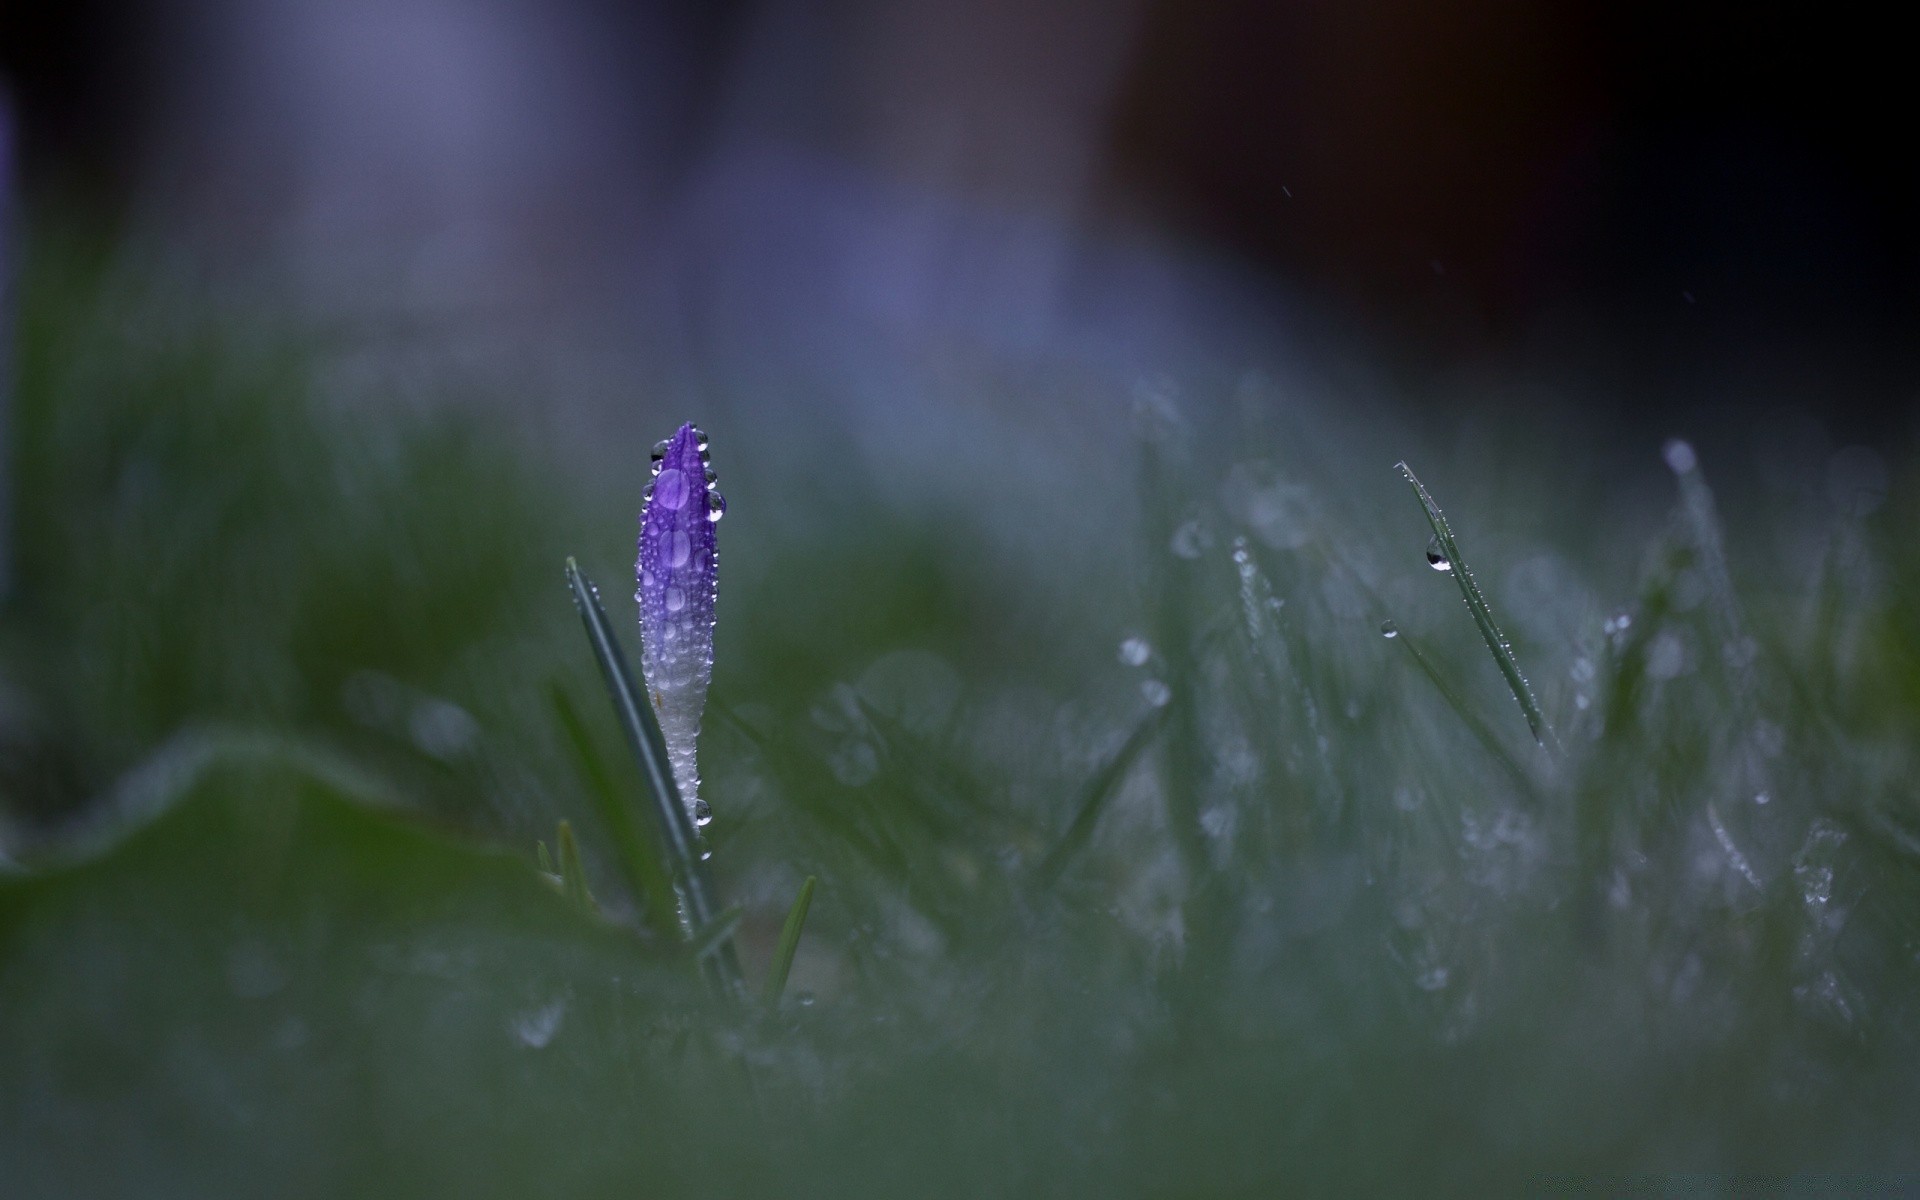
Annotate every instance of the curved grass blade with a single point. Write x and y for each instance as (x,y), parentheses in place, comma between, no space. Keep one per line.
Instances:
(650,750)
(1482,732)
(1094,796)
(573,873)
(634,849)
(718,936)
(789,942)
(1483,615)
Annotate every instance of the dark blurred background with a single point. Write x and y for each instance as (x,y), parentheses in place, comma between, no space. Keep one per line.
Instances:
(1672,206)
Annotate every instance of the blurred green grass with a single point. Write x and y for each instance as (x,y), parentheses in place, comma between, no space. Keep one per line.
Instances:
(279,735)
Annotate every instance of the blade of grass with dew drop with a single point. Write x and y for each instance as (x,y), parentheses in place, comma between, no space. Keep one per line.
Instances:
(650,750)
(1483,615)
(1095,794)
(573,872)
(783,953)
(634,850)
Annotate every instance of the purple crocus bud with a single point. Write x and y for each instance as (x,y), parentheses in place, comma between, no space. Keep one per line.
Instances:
(677,572)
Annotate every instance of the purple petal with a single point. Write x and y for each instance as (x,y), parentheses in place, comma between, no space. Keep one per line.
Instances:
(677,569)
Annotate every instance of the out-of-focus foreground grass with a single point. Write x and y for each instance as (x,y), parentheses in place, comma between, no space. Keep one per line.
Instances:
(1196,886)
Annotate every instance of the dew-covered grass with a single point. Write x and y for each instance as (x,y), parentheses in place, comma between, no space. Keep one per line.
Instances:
(1205,854)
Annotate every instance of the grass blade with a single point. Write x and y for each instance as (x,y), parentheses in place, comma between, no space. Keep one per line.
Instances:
(573,873)
(1483,616)
(1094,796)
(1482,732)
(634,849)
(650,750)
(717,937)
(789,942)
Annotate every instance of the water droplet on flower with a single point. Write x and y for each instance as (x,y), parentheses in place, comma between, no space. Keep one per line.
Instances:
(671,489)
(1389,630)
(646,493)
(716,506)
(1191,540)
(676,599)
(646,579)
(1436,556)
(702,814)
(712,477)
(660,449)
(1134,652)
(654,468)
(699,439)
(1156,692)
(679,549)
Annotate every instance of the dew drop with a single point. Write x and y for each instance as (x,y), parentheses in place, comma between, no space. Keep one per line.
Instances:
(679,549)
(676,599)
(654,469)
(699,439)
(716,506)
(646,579)
(671,489)
(1156,692)
(660,449)
(1134,652)
(702,814)
(711,477)
(1389,630)
(1436,556)
(646,493)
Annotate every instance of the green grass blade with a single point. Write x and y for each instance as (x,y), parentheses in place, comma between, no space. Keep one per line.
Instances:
(546,859)
(650,750)
(717,937)
(1482,732)
(635,851)
(1483,616)
(573,873)
(789,942)
(1094,795)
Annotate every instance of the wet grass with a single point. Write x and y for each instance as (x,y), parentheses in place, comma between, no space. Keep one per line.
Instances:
(1263,901)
